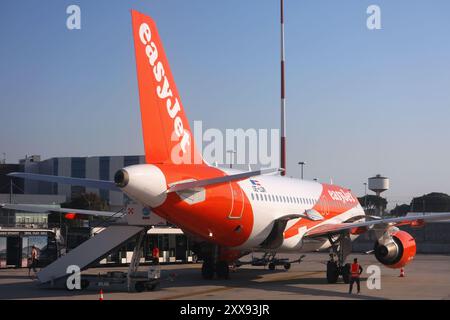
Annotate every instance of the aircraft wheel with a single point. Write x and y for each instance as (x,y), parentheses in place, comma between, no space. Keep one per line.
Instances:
(287,265)
(139,286)
(332,272)
(346,273)
(271,266)
(207,270)
(222,270)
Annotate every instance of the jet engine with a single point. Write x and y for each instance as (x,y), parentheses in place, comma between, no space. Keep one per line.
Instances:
(396,252)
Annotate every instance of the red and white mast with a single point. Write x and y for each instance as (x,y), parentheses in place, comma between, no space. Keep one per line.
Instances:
(283,101)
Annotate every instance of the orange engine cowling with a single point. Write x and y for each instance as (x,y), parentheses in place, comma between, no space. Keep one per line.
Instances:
(398,252)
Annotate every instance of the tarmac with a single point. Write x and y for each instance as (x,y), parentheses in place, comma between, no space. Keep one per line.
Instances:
(427,277)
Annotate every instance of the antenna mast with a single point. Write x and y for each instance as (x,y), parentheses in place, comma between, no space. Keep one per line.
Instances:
(283,101)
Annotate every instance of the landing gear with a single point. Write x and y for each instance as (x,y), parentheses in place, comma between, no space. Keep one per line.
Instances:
(340,249)
(208,269)
(222,270)
(213,266)
(332,272)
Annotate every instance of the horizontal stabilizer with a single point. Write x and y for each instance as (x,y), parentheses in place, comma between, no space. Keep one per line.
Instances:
(51,209)
(89,183)
(212,181)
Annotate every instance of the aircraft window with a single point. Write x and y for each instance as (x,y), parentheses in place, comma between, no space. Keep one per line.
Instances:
(278,198)
(265,197)
(253,197)
(257,197)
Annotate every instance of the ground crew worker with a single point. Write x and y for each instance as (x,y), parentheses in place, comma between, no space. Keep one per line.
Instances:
(155,254)
(355,272)
(34,259)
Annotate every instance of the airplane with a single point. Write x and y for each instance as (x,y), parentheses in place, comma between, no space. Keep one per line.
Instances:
(235,212)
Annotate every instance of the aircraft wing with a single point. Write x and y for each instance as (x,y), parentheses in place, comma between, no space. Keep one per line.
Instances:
(89,183)
(51,209)
(212,181)
(330,229)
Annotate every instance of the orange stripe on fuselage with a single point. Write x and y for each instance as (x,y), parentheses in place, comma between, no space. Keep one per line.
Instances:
(334,200)
(212,215)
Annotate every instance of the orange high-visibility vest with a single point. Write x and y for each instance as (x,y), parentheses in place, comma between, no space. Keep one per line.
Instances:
(355,270)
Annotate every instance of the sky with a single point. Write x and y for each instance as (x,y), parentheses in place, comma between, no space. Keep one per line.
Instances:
(359,102)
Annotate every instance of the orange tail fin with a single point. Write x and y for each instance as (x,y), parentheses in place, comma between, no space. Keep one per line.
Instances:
(167,135)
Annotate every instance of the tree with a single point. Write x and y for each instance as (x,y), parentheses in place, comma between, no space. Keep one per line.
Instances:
(84,201)
(371,202)
(432,202)
(400,210)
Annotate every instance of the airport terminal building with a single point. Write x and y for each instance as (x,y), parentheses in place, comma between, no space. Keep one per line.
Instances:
(100,168)
(15,239)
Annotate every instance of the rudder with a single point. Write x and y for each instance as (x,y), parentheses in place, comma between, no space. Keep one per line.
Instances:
(166,131)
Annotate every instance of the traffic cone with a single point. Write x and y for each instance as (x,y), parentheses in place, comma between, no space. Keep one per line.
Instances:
(402,273)
(101,295)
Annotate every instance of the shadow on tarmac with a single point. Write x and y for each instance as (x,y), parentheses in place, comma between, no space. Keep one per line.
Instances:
(190,279)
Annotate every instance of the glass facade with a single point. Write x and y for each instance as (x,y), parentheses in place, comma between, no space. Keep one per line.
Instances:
(130,160)
(104,163)
(78,170)
(55,173)
(26,220)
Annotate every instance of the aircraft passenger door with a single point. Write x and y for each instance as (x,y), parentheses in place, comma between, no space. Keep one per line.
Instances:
(237,202)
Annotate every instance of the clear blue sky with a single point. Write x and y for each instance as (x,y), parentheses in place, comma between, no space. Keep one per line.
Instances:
(359,102)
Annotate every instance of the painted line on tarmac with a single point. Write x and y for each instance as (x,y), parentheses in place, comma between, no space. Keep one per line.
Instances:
(203,292)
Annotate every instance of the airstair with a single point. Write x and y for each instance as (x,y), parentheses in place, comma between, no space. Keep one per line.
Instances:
(89,251)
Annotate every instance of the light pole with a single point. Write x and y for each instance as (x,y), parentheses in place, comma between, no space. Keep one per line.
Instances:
(302,163)
(231,152)
(365,195)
